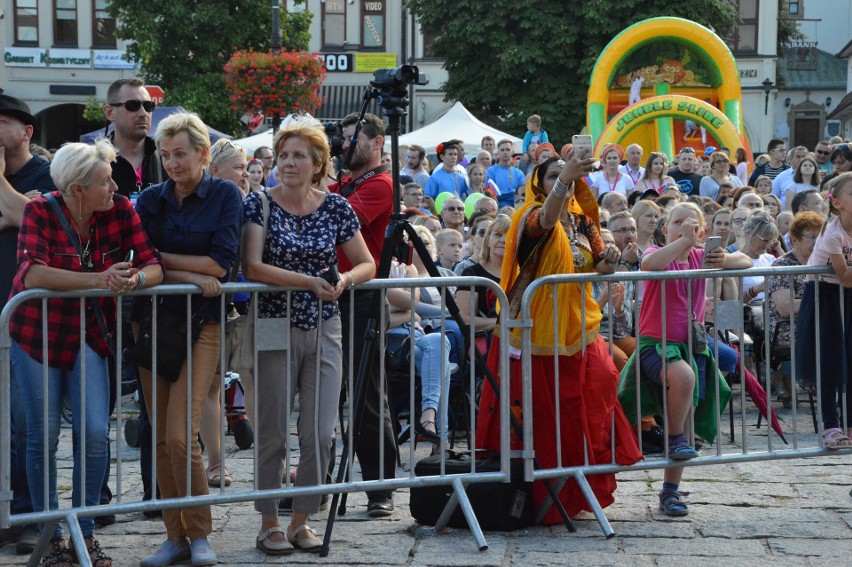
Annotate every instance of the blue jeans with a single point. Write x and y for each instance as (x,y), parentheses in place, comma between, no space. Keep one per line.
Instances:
(28,374)
(727,356)
(21,501)
(434,384)
(454,333)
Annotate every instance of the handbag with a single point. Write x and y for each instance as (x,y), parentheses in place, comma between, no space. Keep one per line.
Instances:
(171,339)
(699,337)
(497,505)
(397,351)
(273,333)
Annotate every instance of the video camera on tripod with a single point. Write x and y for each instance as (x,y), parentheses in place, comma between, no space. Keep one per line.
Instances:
(393,85)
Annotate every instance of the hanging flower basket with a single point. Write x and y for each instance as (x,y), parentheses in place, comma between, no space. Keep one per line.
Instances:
(281,84)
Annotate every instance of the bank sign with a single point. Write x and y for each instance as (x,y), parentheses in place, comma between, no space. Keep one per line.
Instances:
(66,58)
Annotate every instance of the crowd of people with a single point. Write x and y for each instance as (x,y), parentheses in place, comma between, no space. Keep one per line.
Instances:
(205,215)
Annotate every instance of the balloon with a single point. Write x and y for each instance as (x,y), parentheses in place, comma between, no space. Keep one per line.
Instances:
(439,200)
(470,203)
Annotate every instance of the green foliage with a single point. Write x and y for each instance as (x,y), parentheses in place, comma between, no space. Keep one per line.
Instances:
(508,60)
(94,111)
(183,46)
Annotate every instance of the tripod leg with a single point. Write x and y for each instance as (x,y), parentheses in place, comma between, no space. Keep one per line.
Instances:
(342,471)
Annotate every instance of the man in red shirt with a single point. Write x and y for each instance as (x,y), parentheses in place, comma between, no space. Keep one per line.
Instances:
(369,189)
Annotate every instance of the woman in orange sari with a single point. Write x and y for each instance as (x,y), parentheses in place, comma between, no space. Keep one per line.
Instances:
(557,231)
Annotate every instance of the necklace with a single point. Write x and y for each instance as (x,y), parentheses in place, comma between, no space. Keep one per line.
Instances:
(571,227)
(85,254)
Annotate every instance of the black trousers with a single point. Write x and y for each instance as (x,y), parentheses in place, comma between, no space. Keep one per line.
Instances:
(372,421)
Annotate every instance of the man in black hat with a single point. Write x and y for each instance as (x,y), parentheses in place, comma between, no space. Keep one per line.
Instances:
(22,177)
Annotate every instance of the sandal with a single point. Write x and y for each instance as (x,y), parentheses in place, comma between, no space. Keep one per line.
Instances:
(671,504)
(311,543)
(97,557)
(273,547)
(834,439)
(682,452)
(57,555)
(214,476)
(424,434)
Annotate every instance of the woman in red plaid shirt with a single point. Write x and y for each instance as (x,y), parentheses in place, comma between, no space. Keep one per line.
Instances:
(107,231)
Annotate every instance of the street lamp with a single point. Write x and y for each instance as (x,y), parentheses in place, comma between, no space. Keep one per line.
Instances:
(767,88)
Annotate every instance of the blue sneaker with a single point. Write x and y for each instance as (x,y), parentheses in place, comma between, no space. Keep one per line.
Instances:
(202,553)
(168,553)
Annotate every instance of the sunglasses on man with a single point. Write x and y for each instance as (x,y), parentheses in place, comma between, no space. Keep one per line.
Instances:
(134,105)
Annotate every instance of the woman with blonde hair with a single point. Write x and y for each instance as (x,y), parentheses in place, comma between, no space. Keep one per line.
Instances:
(194,221)
(92,256)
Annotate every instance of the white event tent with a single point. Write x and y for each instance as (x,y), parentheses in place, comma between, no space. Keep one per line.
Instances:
(458,123)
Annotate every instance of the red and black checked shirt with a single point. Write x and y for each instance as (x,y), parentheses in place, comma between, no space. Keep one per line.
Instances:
(42,240)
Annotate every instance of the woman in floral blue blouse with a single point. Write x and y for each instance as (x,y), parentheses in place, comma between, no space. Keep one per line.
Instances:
(306,225)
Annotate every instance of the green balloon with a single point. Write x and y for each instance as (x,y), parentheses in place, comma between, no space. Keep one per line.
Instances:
(439,200)
(470,203)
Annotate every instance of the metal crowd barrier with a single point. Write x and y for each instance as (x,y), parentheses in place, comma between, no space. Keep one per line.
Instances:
(730,315)
(124,505)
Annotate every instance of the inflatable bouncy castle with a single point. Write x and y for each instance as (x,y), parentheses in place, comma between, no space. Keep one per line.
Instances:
(685,90)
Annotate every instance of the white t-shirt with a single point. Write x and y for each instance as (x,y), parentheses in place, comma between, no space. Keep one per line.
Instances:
(834,240)
(620,184)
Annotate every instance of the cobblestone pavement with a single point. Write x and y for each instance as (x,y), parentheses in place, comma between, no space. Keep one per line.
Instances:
(783,512)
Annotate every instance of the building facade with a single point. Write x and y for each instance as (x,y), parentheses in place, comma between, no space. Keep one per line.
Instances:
(356,37)
(57,54)
(815,73)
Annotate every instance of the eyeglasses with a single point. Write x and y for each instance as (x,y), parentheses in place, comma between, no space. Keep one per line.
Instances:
(134,105)
(779,150)
(718,161)
(625,230)
(810,236)
(481,231)
(453,209)
(823,152)
(687,150)
(738,221)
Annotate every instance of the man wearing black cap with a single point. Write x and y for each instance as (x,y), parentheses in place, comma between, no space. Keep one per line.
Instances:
(22,177)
